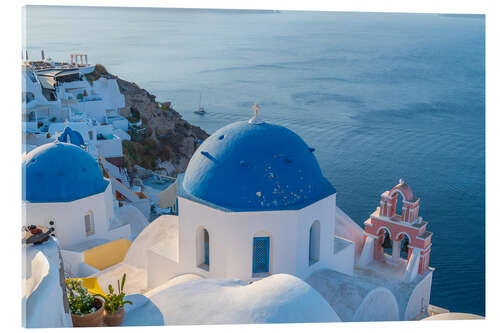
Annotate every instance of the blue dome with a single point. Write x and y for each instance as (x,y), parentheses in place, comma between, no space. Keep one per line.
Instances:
(74,137)
(60,172)
(254,167)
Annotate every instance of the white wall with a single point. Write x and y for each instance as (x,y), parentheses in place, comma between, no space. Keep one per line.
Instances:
(105,129)
(71,261)
(42,281)
(144,206)
(108,89)
(379,305)
(48,112)
(121,123)
(420,298)
(94,109)
(324,212)
(160,268)
(83,84)
(343,260)
(69,218)
(346,228)
(36,89)
(110,148)
(231,239)
(122,134)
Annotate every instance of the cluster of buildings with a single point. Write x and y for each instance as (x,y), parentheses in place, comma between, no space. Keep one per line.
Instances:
(57,96)
(256,222)
(64,114)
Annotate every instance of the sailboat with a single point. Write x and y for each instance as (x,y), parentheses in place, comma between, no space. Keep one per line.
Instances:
(201,110)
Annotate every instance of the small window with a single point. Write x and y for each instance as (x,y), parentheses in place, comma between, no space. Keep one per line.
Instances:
(89,224)
(206,248)
(314,239)
(203,249)
(91,135)
(260,262)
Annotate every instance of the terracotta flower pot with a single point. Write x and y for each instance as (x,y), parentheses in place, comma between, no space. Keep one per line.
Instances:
(91,319)
(114,319)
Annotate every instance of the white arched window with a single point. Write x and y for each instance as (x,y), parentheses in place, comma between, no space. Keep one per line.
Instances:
(89,223)
(314,242)
(203,249)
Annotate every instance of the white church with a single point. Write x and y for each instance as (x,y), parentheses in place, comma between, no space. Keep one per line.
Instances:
(255,217)
(65,190)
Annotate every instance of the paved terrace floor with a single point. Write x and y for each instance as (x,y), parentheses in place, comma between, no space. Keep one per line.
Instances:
(345,293)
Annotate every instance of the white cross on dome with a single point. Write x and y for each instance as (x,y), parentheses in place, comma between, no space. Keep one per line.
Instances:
(255,119)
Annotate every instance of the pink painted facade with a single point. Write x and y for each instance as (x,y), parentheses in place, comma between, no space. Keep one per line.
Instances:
(386,219)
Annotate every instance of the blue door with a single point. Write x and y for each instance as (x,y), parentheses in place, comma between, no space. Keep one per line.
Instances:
(260,255)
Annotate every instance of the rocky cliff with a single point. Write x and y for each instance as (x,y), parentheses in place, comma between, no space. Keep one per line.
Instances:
(164,140)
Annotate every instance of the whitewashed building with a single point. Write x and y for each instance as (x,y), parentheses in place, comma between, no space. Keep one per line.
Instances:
(253,203)
(57,97)
(65,190)
(256,216)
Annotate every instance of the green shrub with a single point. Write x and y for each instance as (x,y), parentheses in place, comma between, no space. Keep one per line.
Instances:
(99,71)
(80,301)
(114,301)
(135,115)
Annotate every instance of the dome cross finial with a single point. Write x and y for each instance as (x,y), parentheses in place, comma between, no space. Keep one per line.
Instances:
(255,109)
(255,119)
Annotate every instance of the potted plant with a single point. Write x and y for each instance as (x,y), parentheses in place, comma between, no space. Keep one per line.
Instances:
(113,306)
(86,309)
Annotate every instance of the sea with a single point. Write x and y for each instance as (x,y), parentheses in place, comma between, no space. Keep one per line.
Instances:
(380,96)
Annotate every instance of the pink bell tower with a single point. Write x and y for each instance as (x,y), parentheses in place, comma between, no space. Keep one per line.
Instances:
(396,225)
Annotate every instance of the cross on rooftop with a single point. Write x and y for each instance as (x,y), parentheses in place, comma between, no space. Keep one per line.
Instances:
(255,119)
(255,109)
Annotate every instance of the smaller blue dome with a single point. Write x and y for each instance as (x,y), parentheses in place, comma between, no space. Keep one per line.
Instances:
(74,136)
(60,172)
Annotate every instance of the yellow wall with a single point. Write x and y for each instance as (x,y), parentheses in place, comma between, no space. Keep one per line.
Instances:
(107,255)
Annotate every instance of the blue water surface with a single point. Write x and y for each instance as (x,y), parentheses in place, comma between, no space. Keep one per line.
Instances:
(380,97)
